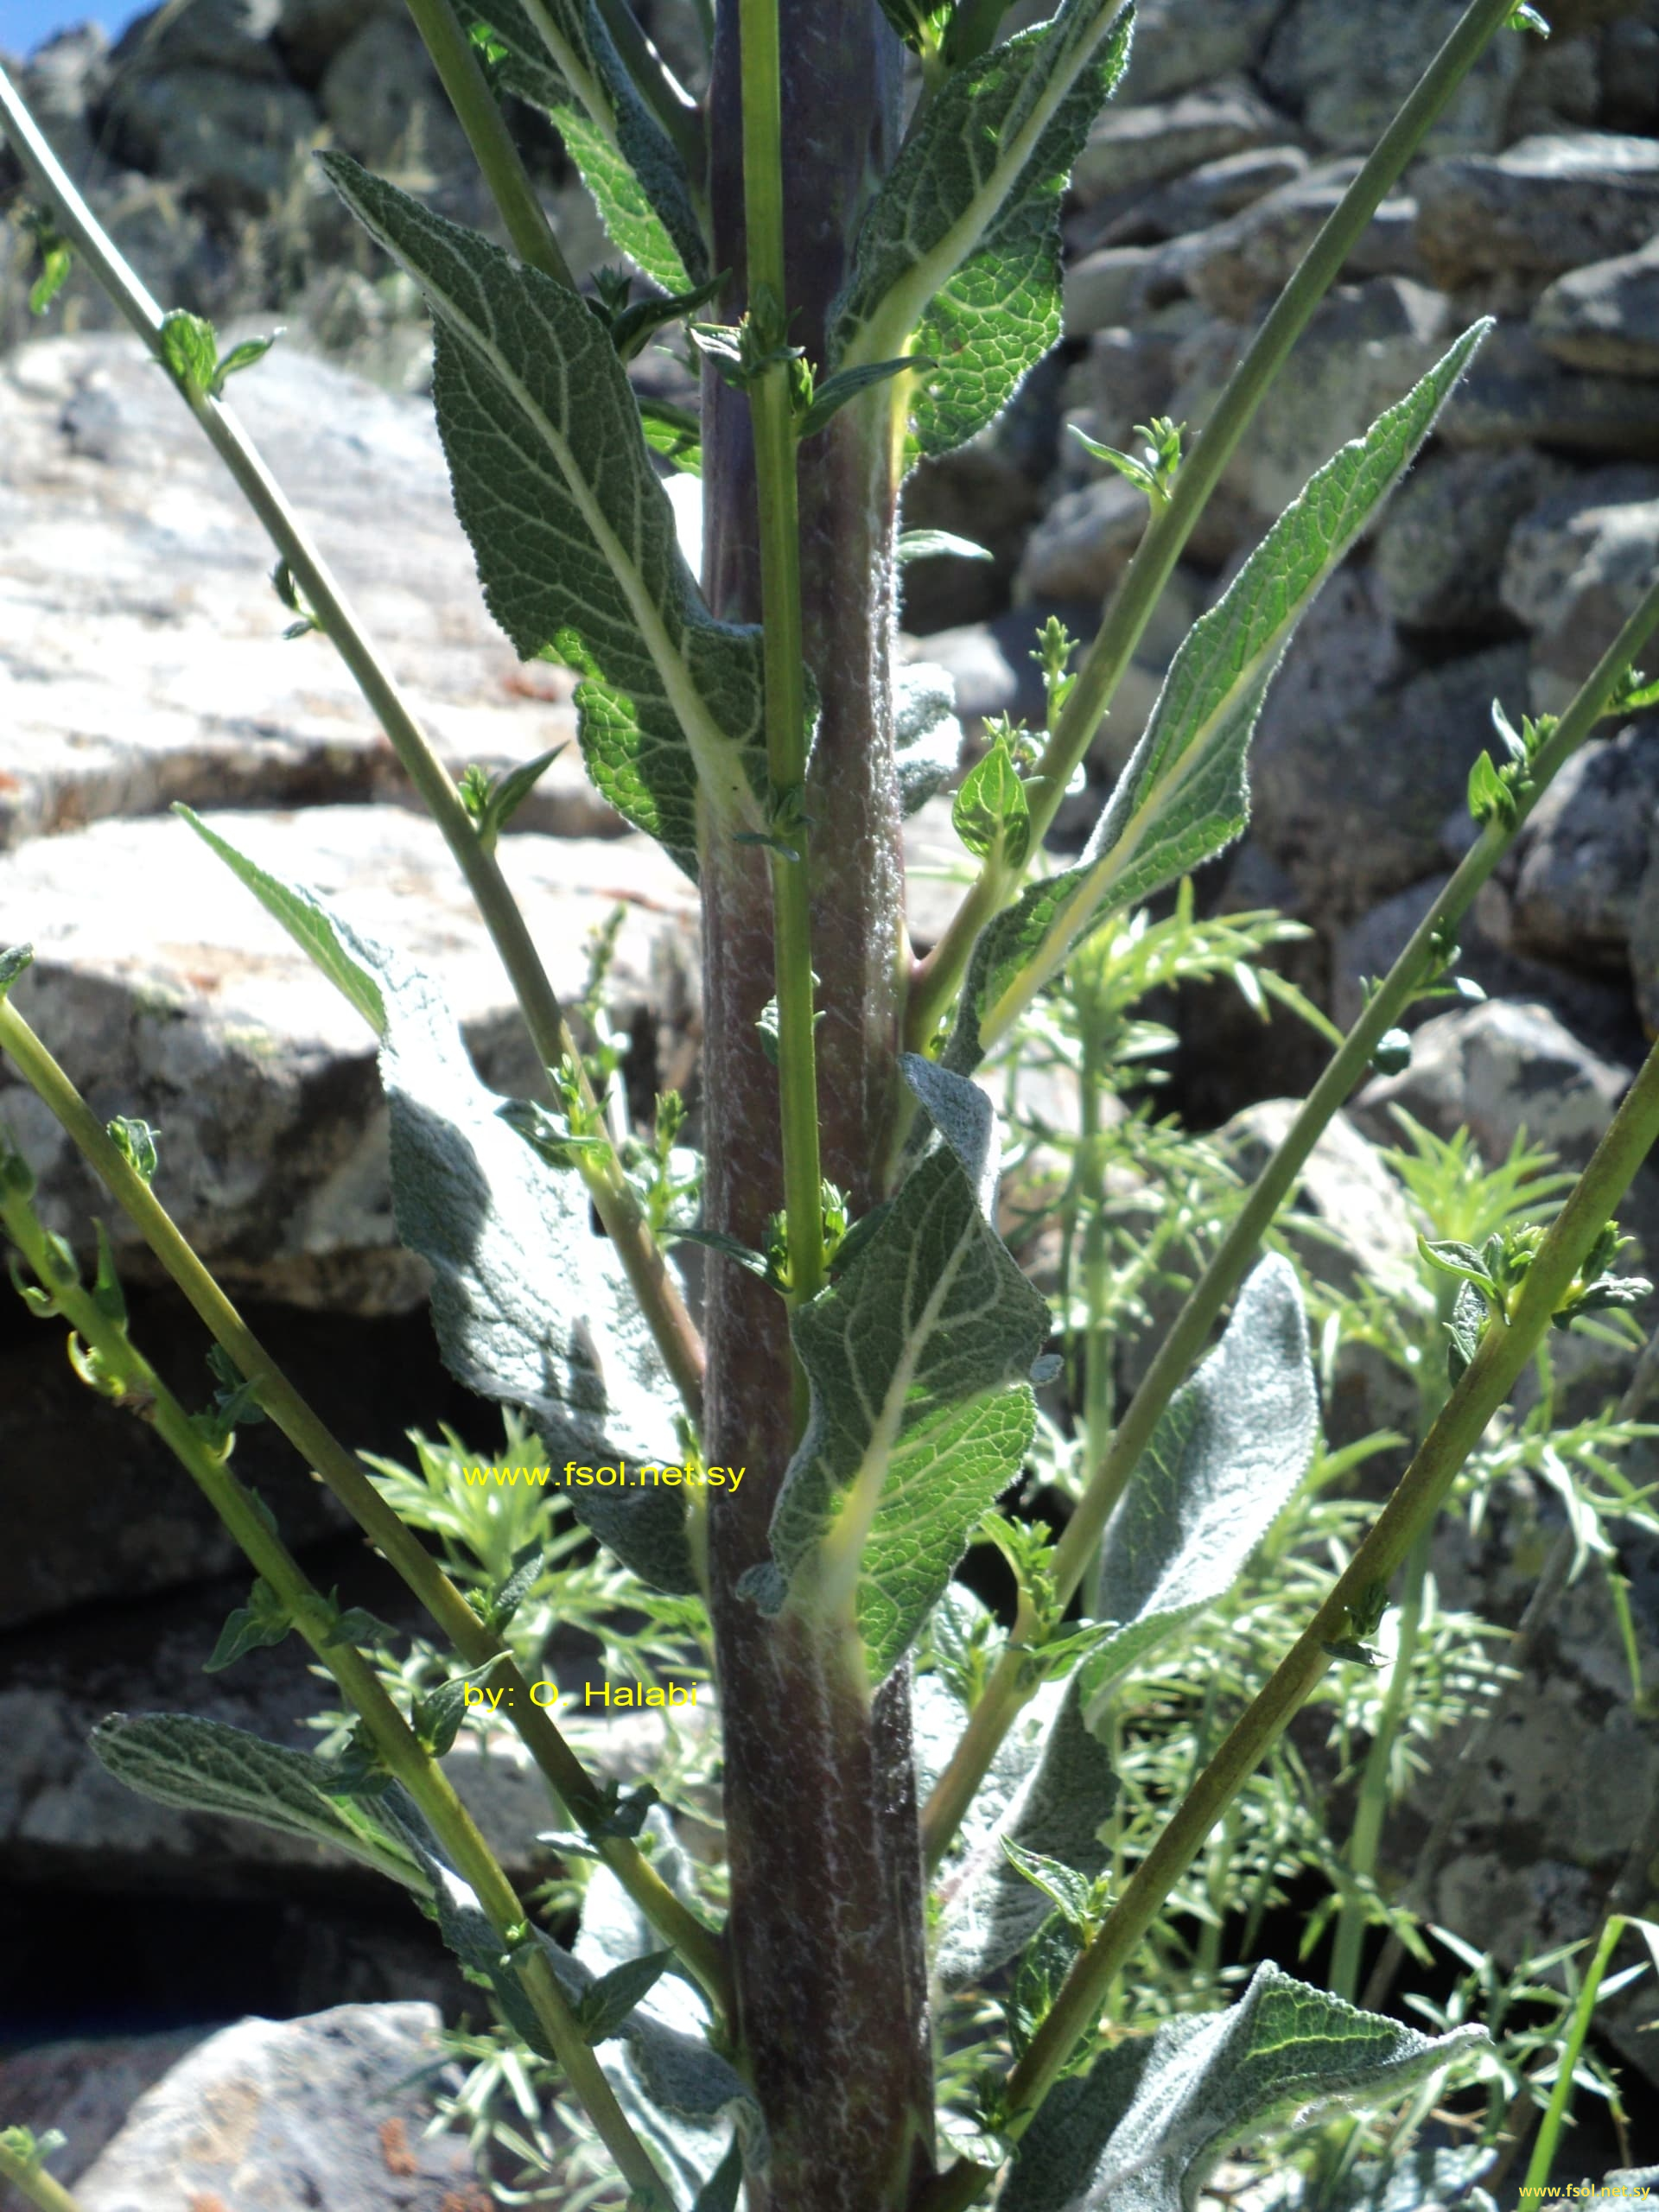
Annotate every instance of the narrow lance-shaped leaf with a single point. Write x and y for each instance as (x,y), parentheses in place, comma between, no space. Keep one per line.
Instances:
(1184,796)
(1143,2129)
(557,56)
(917,1357)
(959,258)
(574,536)
(529,1307)
(1223,1464)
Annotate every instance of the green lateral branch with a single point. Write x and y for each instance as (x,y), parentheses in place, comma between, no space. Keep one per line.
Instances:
(30,2179)
(125,1373)
(614,1198)
(1010,1686)
(1503,1353)
(488,135)
(939,977)
(772,416)
(477,1645)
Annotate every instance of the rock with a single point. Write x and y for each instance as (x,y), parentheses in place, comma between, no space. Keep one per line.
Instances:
(312,2116)
(233,141)
(1180,43)
(228,34)
(1345,71)
(1496,1070)
(1575,569)
(1345,1187)
(311,32)
(991,677)
(1439,556)
(1558,87)
(937,872)
(1583,852)
(141,659)
(1606,316)
(1240,265)
(173,995)
(1545,204)
(1207,196)
(1131,147)
(1514,393)
(382,96)
(63,80)
(1102,288)
(1644,944)
(977,493)
(1362,350)
(1630,70)
(85,2090)
(1352,809)
(1084,544)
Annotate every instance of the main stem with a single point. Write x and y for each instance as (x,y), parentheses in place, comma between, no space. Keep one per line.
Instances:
(826,1931)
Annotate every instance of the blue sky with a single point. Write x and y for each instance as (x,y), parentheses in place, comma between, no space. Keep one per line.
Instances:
(24,24)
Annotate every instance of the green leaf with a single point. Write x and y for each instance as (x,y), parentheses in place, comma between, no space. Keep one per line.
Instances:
(136,1142)
(242,357)
(926,735)
(1184,796)
(573,535)
(307,921)
(204,1766)
(263,1620)
(965,1642)
(190,347)
(937,544)
(1143,2129)
(918,23)
(918,1355)
(1452,1258)
(559,57)
(1049,1787)
(606,2002)
(531,1308)
(832,394)
(13,960)
(1224,1462)
(1068,1891)
(56,262)
(674,432)
(959,256)
(991,808)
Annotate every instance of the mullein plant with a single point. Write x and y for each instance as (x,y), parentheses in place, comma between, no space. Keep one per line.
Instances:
(864,287)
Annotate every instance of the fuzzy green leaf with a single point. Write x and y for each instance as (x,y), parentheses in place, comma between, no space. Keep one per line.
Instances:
(531,1308)
(15,960)
(959,257)
(1151,2119)
(926,735)
(917,1356)
(1049,1787)
(834,393)
(674,432)
(1224,1462)
(264,1621)
(1184,796)
(203,1766)
(573,533)
(992,807)
(607,2001)
(557,56)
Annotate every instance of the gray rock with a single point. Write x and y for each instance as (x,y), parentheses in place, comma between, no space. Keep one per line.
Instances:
(1209,195)
(1242,263)
(1644,942)
(986,673)
(233,141)
(1583,852)
(1606,316)
(64,79)
(173,995)
(1131,147)
(1575,569)
(1085,542)
(1344,71)
(1548,204)
(1345,1187)
(1516,394)
(311,32)
(1352,809)
(141,659)
(1496,1070)
(1103,288)
(1630,71)
(229,34)
(1558,88)
(1178,43)
(312,2116)
(382,97)
(1439,557)
(84,2089)
(978,493)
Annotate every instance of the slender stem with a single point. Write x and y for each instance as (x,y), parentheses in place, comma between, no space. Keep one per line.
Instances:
(456,63)
(777,492)
(1366,1834)
(1561,2097)
(128,1376)
(1009,1686)
(36,2184)
(668,100)
(614,1198)
(1503,1353)
(939,978)
(341,1470)
(1097,1338)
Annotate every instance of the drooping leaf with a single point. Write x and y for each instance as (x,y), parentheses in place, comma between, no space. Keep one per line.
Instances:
(1184,796)
(531,1308)
(917,1356)
(1142,2130)
(926,735)
(1223,1463)
(959,258)
(557,56)
(204,1766)
(573,535)
(1049,1787)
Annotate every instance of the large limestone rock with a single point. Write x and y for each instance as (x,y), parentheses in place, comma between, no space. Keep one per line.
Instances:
(1515,393)
(85,2089)
(172,995)
(142,656)
(1545,204)
(1606,316)
(1439,548)
(1576,567)
(1344,71)
(1133,147)
(1583,853)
